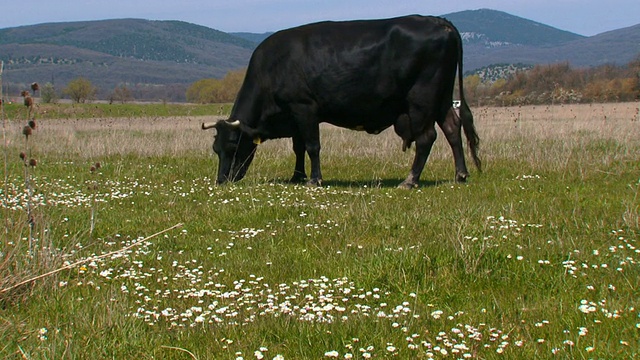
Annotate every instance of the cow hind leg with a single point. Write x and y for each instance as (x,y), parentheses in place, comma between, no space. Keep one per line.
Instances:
(299,173)
(424,143)
(309,139)
(451,127)
(313,149)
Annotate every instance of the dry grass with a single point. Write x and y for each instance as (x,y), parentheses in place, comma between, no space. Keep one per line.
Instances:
(527,134)
(554,135)
(103,137)
(26,249)
(94,138)
(617,122)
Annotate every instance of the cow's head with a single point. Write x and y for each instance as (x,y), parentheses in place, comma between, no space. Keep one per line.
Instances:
(235,150)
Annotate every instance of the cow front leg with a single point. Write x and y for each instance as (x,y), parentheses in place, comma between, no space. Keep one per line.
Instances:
(299,173)
(313,149)
(452,131)
(424,143)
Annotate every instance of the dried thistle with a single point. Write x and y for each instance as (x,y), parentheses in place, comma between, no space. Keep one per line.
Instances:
(35,87)
(27,131)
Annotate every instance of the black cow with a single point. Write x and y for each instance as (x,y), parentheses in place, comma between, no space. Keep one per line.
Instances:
(363,75)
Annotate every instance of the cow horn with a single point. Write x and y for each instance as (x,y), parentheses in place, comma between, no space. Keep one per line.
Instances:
(208,125)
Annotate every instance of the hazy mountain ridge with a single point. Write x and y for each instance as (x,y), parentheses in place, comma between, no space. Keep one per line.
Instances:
(477,38)
(141,39)
(134,51)
(497,27)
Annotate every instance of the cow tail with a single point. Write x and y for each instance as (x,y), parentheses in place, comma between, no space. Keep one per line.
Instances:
(466,116)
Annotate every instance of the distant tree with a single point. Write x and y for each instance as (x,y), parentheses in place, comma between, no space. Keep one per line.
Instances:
(231,84)
(209,91)
(121,94)
(471,84)
(80,90)
(498,86)
(204,91)
(48,94)
(634,73)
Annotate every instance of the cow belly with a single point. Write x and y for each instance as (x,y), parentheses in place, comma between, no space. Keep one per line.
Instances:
(372,117)
(371,128)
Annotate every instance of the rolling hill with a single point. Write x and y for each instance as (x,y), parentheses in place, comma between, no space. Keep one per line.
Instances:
(494,37)
(134,51)
(111,52)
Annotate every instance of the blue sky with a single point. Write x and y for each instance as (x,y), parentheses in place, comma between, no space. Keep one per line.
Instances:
(584,17)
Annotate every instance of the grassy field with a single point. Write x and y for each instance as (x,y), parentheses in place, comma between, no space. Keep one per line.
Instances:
(536,257)
(16,110)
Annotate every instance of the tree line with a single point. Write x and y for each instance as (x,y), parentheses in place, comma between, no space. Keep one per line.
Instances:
(558,84)
(543,84)
(82,90)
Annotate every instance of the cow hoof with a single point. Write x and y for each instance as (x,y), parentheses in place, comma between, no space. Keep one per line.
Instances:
(407,185)
(298,178)
(461,178)
(314,183)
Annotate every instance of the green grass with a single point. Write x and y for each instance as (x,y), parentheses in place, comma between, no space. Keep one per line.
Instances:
(105,110)
(537,255)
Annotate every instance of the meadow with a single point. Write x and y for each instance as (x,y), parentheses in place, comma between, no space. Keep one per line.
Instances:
(538,256)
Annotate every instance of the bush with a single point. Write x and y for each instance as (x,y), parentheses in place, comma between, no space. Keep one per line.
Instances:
(48,94)
(80,90)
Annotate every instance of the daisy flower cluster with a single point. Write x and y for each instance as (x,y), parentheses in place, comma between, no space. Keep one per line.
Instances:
(178,290)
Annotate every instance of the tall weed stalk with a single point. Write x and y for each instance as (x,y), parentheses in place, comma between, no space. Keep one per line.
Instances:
(93,189)
(29,162)
(17,259)
(5,154)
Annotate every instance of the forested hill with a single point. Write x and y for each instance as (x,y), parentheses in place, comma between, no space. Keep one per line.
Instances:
(111,52)
(135,51)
